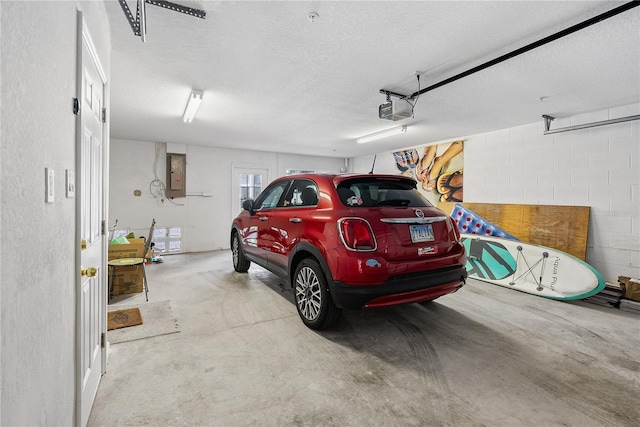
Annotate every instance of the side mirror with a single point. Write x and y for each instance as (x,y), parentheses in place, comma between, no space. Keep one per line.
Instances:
(248,206)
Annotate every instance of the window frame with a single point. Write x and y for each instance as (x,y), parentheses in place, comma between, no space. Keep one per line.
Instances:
(267,192)
(298,185)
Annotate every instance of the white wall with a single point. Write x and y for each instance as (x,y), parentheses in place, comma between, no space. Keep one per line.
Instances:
(37,264)
(597,167)
(206,221)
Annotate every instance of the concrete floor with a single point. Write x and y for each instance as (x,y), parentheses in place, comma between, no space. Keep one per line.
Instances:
(483,356)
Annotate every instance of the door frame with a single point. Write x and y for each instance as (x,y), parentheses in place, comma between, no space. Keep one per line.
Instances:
(84,39)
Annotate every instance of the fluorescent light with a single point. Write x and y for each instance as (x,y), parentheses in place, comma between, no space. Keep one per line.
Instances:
(142,11)
(381,134)
(192,106)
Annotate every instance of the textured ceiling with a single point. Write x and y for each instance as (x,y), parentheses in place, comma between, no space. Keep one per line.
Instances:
(275,81)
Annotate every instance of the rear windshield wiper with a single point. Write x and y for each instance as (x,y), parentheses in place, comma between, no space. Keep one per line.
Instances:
(395,202)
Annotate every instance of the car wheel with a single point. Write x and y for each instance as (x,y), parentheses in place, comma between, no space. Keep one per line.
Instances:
(240,263)
(313,300)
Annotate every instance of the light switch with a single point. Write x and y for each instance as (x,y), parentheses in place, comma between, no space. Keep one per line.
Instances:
(48,185)
(70,182)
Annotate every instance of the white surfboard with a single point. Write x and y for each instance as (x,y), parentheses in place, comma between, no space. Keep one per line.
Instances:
(530,268)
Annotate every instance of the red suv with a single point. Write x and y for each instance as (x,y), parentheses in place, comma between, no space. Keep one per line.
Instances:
(349,241)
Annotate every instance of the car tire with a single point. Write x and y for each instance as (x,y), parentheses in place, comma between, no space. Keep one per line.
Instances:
(240,263)
(313,300)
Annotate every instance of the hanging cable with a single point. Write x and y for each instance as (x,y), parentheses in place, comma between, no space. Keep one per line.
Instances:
(157,187)
(415,100)
(177,204)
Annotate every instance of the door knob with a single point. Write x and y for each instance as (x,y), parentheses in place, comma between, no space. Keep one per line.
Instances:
(89,272)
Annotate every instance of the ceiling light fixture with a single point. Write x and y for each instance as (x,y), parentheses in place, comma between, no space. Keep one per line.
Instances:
(192,105)
(381,134)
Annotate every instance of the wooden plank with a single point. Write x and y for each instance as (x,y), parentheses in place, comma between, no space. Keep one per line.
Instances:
(560,227)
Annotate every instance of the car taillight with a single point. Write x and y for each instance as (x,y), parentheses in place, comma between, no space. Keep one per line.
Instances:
(454,226)
(356,234)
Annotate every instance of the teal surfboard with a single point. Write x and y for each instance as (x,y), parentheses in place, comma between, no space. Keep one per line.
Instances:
(488,260)
(534,269)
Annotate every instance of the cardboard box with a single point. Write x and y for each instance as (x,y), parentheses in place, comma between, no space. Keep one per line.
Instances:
(631,287)
(127,279)
(135,249)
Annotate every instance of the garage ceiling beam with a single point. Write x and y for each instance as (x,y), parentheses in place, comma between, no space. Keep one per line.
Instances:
(138,24)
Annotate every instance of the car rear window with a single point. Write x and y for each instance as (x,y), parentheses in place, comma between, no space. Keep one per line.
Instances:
(379,192)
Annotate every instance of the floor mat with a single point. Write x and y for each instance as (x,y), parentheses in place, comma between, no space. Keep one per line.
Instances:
(123,318)
(158,320)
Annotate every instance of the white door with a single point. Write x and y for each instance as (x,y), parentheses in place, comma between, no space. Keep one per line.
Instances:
(247,183)
(91,295)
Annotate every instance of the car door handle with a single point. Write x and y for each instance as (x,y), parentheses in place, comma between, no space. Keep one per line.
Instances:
(295,219)
(263,218)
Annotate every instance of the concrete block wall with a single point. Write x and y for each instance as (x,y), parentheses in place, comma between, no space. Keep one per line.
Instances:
(597,167)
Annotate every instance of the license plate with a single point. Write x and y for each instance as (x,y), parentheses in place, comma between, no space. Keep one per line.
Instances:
(421,233)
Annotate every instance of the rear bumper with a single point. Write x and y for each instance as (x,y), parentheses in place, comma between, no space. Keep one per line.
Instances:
(400,289)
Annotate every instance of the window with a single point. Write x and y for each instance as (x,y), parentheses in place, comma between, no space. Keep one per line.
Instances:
(167,240)
(368,192)
(298,171)
(250,186)
(119,232)
(271,196)
(303,192)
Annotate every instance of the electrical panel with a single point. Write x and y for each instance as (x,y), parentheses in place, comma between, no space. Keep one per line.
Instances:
(176,171)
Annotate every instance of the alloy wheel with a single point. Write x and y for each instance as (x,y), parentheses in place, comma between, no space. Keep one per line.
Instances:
(235,250)
(308,293)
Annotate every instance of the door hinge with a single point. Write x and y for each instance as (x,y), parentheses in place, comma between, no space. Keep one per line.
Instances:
(104,114)
(103,340)
(76,106)
(103,227)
